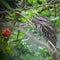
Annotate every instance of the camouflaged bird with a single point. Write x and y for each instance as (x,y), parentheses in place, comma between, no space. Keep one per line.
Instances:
(46,28)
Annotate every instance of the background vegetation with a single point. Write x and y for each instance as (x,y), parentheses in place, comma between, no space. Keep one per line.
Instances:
(17,15)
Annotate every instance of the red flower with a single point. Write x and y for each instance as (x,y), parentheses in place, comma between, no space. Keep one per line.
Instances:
(6,32)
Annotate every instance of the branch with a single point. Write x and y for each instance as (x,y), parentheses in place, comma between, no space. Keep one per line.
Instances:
(17,15)
(14,21)
(14,10)
(47,4)
(35,38)
(23,5)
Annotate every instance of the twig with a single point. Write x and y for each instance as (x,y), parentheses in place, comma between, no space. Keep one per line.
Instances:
(18,32)
(55,11)
(23,5)
(14,10)
(35,39)
(14,21)
(17,15)
(48,4)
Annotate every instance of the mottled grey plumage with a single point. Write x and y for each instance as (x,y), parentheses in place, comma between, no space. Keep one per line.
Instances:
(46,28)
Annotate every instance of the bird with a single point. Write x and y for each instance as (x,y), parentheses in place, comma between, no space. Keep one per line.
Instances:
(46,28)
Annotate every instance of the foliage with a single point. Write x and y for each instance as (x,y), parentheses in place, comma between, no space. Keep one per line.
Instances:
(17,46)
